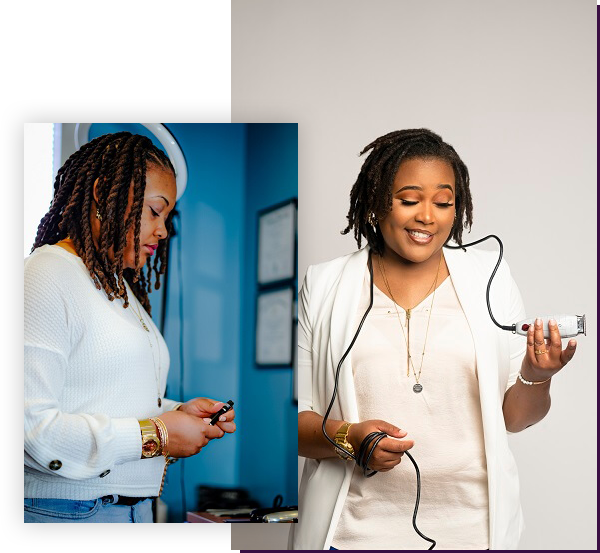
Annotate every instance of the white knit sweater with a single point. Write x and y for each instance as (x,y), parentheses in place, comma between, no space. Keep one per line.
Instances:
(90,375)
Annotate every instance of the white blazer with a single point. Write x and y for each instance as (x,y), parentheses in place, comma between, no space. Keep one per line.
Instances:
(328,305)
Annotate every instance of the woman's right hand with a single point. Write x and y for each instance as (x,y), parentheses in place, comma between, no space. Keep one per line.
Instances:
(187,434)
(389,451)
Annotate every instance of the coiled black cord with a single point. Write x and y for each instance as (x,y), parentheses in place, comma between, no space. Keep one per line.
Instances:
(365,452)
(363,458)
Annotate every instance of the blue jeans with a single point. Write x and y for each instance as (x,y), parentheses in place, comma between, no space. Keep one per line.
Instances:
(93,510)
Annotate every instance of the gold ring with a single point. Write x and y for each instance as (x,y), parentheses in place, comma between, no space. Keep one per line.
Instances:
(541,351)
(539,343)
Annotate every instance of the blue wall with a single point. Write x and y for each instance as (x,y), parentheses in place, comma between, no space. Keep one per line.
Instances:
(211,236)
(269,457)
(234,171)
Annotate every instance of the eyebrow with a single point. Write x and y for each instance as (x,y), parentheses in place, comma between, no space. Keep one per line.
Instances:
(415,187)
(165,199)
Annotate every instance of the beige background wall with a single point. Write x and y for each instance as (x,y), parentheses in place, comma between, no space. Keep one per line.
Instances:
(512,86)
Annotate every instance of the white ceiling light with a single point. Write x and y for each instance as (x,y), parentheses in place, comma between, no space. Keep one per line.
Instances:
(82,131)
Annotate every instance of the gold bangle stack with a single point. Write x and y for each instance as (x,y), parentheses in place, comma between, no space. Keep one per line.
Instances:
(163,434)
(164,442)
(151,443)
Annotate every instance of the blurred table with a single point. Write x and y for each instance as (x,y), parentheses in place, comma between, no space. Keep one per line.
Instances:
(200,516)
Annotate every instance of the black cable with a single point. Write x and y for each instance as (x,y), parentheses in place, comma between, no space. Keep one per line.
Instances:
(364,454)
(513,327)
(414,520)
(368,445)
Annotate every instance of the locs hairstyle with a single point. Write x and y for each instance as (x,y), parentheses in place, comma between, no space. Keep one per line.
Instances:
(118,161)
(372,191)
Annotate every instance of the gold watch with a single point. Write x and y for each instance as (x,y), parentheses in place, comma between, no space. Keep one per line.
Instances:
(341,439)
(150,440)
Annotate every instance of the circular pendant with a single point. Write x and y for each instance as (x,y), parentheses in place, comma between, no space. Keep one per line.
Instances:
(160,402)
(417,388)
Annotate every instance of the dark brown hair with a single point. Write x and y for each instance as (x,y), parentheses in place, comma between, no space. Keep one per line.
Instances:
(372,191)
(115,160)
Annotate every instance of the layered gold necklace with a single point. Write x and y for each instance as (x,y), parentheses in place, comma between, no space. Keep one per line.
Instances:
(68,245)
(138,313)
(417,388)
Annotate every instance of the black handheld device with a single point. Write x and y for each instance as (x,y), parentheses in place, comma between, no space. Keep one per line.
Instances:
(215,418)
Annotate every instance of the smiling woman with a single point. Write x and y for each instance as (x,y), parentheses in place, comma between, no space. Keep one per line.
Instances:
(422,213)
(395,344)
(390,167)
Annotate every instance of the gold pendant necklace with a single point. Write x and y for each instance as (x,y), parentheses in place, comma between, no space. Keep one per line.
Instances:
(145,326)
(418,387)
(142,322)
(68,245)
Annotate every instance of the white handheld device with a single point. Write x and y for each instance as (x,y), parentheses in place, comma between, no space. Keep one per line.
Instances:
(568,325)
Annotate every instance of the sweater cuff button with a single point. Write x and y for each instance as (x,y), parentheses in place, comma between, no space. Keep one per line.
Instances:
(55,465)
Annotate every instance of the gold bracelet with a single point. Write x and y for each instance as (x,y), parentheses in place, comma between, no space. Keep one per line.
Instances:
(151,442)
(341,439)
(177,407)
(163,434)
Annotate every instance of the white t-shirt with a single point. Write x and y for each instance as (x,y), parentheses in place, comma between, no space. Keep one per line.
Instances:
(444,420)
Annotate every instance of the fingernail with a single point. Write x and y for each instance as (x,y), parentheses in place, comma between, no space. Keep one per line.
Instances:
(206,420)
(222,418)
(538,322)
(552,322)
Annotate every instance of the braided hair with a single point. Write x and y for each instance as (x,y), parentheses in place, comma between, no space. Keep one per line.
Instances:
(114,161)
(372,191)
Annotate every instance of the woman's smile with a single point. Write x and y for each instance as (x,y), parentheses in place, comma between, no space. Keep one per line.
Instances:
(420,237)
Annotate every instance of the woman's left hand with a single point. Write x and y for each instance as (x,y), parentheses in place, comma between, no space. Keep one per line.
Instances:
(205,408)
(550,357)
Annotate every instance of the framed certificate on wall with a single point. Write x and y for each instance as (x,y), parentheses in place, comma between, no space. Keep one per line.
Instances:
(274,322)
(277,243)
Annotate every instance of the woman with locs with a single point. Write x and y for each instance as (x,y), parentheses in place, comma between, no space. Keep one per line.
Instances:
(428,367)
(98,429)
